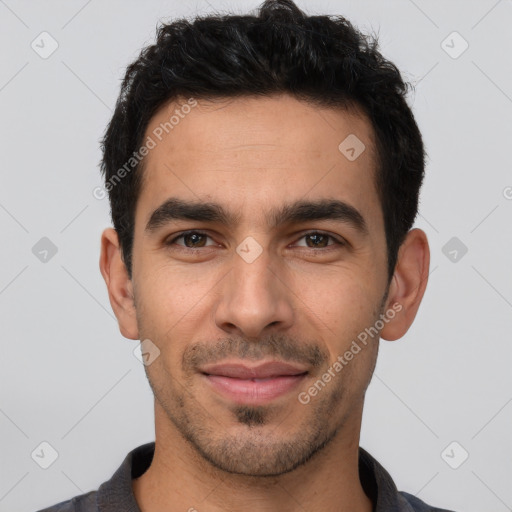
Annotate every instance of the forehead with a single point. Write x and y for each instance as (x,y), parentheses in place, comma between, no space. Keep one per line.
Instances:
(248,153)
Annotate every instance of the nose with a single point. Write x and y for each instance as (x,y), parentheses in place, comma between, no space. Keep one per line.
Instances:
(254,297)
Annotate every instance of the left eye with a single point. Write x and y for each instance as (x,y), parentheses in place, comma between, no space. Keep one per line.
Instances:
(320,239)
(197,239)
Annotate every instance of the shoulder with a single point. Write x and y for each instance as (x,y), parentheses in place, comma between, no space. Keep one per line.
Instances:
(83,503)
(420,506)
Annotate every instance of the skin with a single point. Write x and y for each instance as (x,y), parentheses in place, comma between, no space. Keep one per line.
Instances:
(296,299)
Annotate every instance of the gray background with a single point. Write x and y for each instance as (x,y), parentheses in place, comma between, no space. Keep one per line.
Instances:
(69,378)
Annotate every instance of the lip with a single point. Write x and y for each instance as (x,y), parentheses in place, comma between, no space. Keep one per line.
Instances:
(254,385)
(265,370)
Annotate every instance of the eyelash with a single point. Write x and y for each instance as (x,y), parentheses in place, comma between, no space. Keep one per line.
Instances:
(202,233)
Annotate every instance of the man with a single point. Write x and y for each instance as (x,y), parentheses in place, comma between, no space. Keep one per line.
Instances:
(263,173)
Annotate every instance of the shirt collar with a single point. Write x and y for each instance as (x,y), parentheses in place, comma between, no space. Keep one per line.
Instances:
(117,493)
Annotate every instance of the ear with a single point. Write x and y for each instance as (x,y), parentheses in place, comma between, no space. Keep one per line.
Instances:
(120,288)
(408,284)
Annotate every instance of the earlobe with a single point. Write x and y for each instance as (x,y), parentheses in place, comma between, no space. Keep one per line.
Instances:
(408,284)
(119,285)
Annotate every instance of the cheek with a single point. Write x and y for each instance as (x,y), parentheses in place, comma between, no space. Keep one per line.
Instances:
(173,290)
(342,305)
(171,303)
(350,315)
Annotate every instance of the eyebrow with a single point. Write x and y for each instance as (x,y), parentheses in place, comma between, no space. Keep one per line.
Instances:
(175,209)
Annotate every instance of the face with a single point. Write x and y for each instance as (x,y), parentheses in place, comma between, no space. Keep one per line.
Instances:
(259,257)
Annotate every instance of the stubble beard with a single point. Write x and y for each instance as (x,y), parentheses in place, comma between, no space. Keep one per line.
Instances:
(260,446)
(257,448)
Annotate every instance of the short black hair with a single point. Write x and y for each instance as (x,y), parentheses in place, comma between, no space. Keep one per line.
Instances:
(320,59)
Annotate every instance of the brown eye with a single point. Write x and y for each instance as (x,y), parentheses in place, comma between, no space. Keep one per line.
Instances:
(191,239)
(319,240)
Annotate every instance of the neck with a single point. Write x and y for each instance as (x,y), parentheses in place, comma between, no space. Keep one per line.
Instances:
(180,479)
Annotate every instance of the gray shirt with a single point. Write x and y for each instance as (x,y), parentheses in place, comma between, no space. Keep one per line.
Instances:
(116,494)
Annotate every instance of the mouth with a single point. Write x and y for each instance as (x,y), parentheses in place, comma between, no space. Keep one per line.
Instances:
(253,385)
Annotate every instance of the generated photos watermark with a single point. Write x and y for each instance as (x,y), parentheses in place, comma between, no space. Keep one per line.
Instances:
(304,397)
(149,144)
